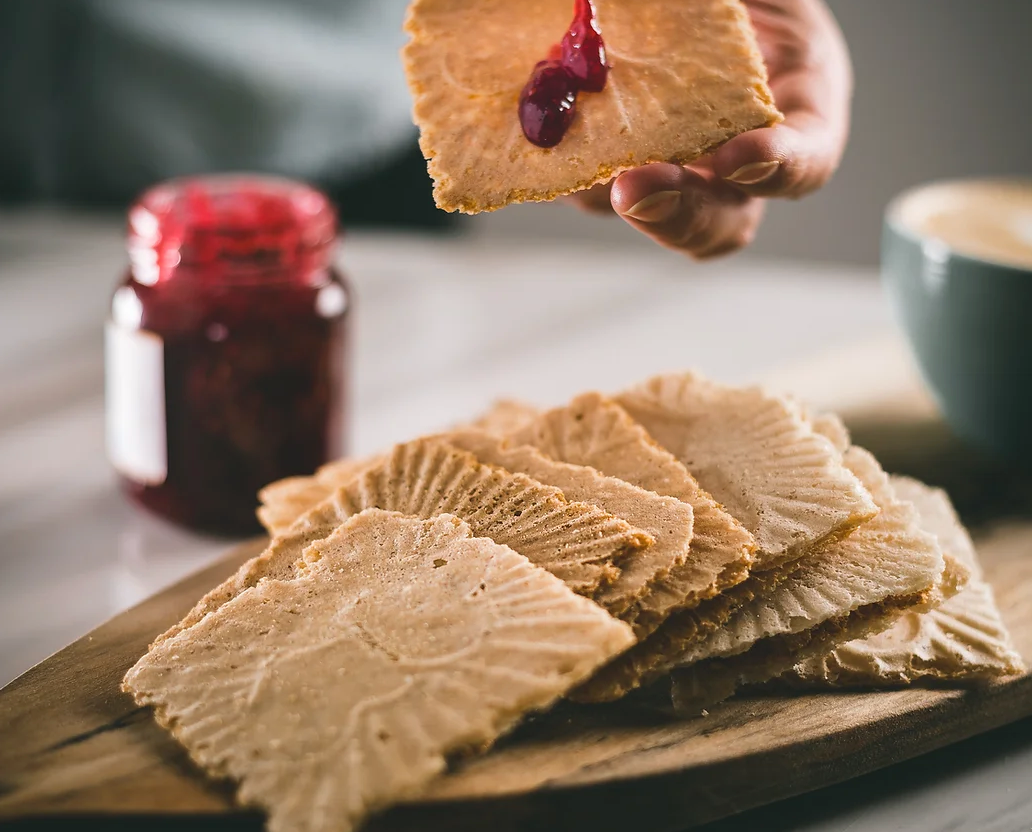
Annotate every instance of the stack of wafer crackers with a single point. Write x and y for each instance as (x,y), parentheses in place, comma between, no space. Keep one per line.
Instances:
(681,539)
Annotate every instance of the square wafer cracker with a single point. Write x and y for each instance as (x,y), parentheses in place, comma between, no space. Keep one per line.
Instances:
(756,454)
(579,543)
(961,640)
(639,595)
(685,76)
(342,690)
(856,586)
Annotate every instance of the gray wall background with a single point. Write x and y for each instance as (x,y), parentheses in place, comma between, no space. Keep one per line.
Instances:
(943,89)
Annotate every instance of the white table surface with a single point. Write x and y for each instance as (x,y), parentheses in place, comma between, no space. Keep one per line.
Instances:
(443,326)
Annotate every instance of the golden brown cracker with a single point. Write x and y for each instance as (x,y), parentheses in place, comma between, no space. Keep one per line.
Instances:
(686,76)
(339,692)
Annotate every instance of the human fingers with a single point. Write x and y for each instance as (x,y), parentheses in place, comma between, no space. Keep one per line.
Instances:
(684,210)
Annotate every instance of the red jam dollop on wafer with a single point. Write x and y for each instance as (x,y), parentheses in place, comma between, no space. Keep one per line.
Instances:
(577,64)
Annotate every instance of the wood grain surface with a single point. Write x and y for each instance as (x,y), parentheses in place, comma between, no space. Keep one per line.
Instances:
(72,745)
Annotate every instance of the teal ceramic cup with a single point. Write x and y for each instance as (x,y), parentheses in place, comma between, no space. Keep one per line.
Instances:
(959,279)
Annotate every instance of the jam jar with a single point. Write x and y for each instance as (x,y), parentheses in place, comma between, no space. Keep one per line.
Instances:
(226,347)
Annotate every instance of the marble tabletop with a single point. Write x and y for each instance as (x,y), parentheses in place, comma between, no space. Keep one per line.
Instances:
(443,326)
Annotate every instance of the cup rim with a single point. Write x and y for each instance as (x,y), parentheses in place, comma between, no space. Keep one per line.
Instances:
(893,221)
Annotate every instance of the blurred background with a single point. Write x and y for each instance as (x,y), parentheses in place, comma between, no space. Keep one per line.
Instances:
(99,98)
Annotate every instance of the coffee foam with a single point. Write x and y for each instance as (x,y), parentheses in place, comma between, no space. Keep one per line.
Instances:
(984,219)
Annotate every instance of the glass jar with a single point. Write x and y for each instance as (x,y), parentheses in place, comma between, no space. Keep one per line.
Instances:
(226,347)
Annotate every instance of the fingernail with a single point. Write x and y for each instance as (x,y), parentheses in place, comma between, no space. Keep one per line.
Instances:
(754,173)
(656,207)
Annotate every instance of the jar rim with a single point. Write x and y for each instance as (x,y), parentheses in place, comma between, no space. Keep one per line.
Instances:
(230,224)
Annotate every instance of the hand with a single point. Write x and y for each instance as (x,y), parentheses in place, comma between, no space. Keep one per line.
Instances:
(715,206)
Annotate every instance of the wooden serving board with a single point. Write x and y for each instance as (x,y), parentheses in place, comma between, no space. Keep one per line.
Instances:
(72,745)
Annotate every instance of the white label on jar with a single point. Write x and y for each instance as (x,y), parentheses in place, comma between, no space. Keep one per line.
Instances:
(134,370)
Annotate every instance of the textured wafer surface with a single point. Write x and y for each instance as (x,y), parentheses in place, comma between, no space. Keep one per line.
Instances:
(595,431)
(284,501)
(340,691)
(859,585)
(652,657)
(276,561)
(757,455)
(579,543)
(694,689)
(962,639)
(638,595)
(686,76)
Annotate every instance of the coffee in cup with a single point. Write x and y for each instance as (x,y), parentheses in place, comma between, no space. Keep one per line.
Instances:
(983,219)
(957,265)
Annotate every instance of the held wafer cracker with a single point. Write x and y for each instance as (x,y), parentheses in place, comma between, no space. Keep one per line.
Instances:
(961,640)
(341,691)
(638,596)
(685,76)
(856,586)
(579,543)
(759,457)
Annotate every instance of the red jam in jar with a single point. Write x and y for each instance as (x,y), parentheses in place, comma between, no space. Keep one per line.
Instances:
(225,348)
